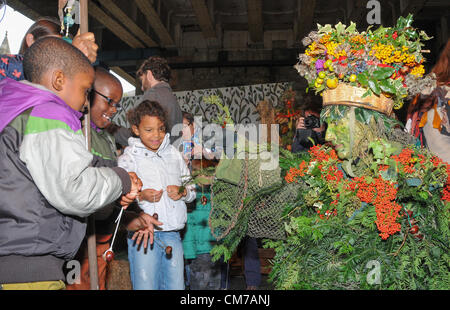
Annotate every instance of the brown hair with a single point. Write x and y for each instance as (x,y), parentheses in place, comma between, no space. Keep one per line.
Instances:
(158,66)
(44,26)
(147,107)
(441,68)
(188,116)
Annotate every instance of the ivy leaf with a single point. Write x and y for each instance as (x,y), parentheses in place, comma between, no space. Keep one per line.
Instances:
(340,28)
(324,29)
(351,28)
(373,84)
(423,195)
(424,35)
(363,80)
(367,93)
(387,87)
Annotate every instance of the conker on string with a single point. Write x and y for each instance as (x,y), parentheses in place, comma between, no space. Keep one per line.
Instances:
(108,256)
(414,229)
(168,250)
(204,200)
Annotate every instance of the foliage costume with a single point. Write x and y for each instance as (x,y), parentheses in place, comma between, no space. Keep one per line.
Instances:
(372,212)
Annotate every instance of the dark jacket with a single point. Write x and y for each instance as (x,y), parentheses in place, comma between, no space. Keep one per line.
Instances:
(46,184)
(303,143)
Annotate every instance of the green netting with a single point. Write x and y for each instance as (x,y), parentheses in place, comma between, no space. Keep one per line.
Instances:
(253,206)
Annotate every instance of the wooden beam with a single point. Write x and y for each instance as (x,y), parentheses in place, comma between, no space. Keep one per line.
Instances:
(255,20)
(204,19)
(123,74)
(24,9)
(155,22)
(128,22)
(114,26)
(305,24)
(413,7)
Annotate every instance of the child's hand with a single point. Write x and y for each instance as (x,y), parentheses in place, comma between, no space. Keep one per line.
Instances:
(147,231)
(151,195)
(173,192)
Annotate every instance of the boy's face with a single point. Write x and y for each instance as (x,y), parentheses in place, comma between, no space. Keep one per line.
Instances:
(73,89)
(151,131)
(102,111)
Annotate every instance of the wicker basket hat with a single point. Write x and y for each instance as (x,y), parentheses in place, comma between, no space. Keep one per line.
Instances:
(345,94)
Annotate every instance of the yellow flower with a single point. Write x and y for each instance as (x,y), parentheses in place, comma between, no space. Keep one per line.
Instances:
(325,39)
(311,48)
(331,50)
(418,71)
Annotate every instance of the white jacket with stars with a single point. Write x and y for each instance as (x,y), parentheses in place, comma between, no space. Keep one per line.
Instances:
(157,170)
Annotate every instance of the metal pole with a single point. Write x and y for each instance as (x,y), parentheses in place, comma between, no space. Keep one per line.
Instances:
(91,241)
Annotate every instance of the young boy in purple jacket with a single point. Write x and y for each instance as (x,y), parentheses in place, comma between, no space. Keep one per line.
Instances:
(46,183)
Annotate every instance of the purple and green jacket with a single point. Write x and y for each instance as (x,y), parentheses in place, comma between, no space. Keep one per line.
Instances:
(47,184)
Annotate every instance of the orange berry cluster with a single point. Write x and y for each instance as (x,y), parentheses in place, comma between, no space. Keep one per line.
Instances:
(381,194)
(320,155)
(293,173)
(406,160)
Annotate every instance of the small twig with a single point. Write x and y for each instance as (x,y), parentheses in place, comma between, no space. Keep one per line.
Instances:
(398,251)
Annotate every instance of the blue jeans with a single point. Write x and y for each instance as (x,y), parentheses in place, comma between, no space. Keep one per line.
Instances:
(152,269)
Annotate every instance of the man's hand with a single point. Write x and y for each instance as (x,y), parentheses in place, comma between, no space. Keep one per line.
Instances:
(146,233)
(151,195)
(173,192)
(86,43)
(136,186)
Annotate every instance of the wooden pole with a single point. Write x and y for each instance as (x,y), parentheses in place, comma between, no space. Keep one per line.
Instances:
(91,241)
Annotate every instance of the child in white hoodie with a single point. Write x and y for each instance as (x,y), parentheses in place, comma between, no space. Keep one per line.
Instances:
(162,170)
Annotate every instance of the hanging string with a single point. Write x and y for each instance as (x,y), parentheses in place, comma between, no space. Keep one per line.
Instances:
(117,221)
